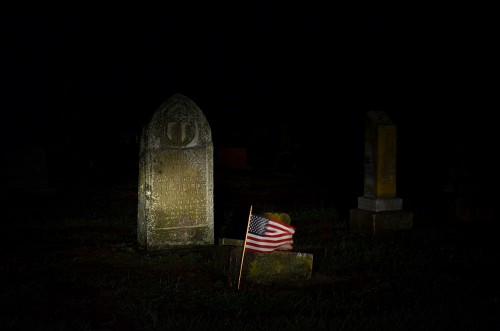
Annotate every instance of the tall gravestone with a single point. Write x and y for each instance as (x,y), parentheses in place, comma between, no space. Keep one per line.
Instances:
(176,208)
(379,209)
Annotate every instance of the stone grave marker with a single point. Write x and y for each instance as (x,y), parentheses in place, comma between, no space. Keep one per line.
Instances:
(176,207)
(379,209)
(278,268)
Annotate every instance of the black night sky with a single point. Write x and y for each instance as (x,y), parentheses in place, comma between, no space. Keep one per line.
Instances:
(82,85)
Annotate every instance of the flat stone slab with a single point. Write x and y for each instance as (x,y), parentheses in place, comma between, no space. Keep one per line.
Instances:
(278,268)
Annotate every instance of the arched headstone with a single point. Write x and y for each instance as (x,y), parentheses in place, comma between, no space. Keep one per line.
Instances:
(176,206)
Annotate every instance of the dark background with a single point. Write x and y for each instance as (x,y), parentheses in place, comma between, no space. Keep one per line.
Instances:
(276,79)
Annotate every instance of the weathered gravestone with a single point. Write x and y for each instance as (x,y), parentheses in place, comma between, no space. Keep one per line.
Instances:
(176,208)
(379,209)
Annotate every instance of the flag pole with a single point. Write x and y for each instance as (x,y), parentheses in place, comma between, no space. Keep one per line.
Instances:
(244,246)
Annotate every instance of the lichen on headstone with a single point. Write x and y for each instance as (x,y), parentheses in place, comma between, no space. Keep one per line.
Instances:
(283,217)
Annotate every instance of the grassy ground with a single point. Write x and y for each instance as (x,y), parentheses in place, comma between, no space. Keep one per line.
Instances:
(69,261)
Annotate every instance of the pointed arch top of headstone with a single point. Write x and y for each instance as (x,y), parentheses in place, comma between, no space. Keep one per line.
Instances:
(177,123)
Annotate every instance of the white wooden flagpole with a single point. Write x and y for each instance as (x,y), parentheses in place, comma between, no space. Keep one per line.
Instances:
(244,246)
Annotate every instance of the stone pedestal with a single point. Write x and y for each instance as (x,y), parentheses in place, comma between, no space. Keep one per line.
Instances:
(380,204)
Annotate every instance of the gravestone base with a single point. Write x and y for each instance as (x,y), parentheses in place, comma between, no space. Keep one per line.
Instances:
(380,204)
(361,220)
(161,239)
(278,268)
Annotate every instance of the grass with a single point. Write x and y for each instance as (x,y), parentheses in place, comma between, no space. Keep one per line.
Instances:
(70,262)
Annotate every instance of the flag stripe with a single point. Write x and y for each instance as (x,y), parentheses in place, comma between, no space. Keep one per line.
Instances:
(267,242)
(276,225)
(269,239)
(261,249)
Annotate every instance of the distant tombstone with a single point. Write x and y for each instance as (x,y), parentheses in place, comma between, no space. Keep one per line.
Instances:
(380,164)
(24,167)
(379,209)
(176,208)
(232,158)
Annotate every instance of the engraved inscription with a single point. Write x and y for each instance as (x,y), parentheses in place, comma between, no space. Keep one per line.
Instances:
(182,187)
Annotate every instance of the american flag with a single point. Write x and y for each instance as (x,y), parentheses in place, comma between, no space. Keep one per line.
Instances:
(266,235)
